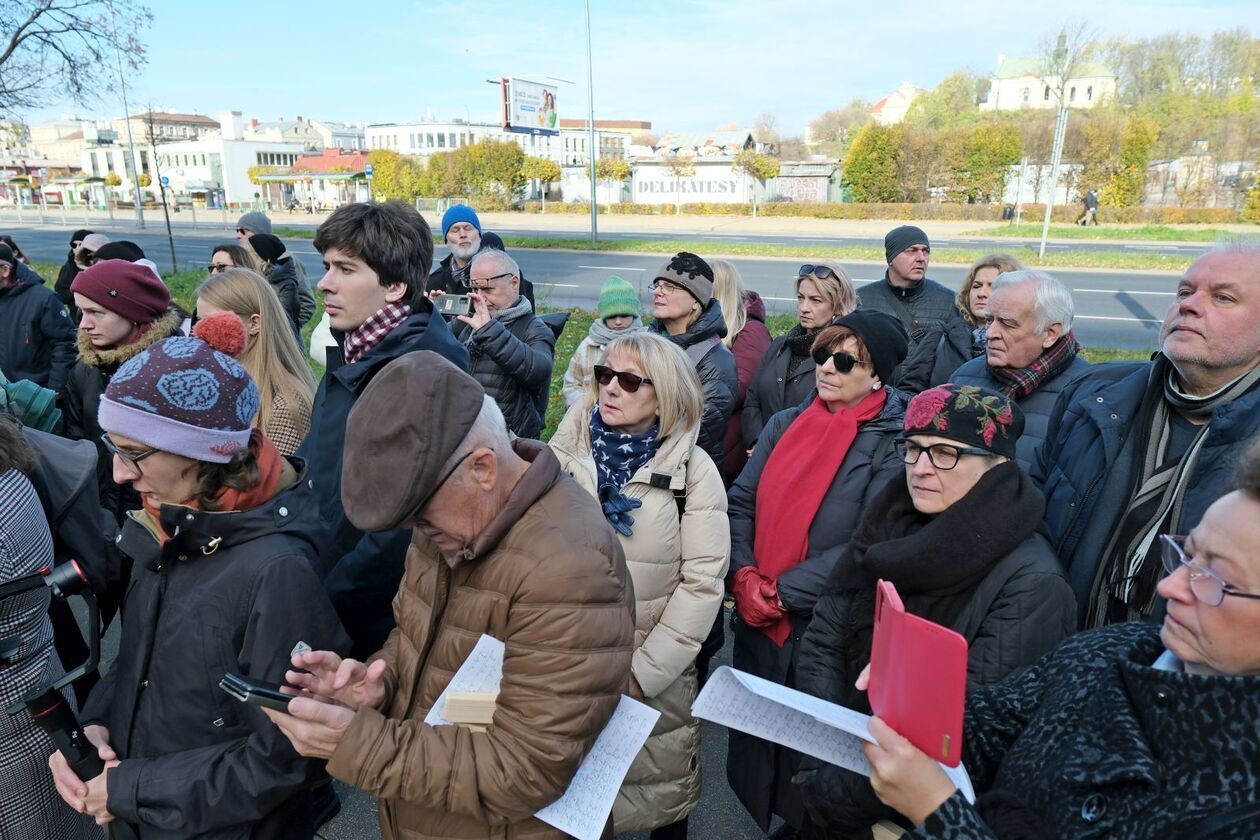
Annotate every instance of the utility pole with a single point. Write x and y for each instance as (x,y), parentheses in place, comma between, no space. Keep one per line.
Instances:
(131,146)
(590,123)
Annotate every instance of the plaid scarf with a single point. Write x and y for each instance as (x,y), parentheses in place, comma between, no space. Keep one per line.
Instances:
(370,332)
(1052,361)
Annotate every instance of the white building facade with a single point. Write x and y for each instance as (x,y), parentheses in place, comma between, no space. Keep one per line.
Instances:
(1019,83)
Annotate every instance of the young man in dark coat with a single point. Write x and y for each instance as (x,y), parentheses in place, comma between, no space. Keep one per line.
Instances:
(1135,451)
(36,333)
(377,258)
(905,292)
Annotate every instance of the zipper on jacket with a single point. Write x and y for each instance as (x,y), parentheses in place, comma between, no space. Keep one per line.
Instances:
(143,676)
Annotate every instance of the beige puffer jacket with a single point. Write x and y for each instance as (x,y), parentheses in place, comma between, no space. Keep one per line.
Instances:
(548,578)
(677,569)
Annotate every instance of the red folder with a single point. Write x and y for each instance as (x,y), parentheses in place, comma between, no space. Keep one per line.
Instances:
(918,678)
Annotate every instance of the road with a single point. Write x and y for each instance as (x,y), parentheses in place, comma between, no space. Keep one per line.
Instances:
(1114,308)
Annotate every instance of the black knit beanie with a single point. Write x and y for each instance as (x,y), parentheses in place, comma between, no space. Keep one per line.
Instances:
(884,337)
(900,238)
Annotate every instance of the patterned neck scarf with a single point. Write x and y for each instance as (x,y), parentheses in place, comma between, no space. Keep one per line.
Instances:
(1018,384)
(370,332)
(618,457)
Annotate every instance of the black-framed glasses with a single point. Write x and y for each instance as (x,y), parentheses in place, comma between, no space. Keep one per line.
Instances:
(1206,584)
(944,456)
(628,381)
(665,286)
(842,361)
(131,459)
(216,269)
(822,272)
(486,284)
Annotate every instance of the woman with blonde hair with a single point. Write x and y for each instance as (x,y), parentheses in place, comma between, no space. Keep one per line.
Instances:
(785,376)
(747,337)
(633,443)
(947,344)
(271,354)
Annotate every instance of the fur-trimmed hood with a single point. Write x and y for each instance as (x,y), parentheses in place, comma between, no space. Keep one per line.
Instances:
(164,327)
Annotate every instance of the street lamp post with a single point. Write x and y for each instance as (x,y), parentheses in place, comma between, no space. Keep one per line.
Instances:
(131,146)
(1060,129)
(590,122)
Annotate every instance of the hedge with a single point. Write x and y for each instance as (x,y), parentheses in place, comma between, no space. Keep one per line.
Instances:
(904,212)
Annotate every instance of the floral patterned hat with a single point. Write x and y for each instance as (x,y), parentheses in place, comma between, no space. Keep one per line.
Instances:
(969,414)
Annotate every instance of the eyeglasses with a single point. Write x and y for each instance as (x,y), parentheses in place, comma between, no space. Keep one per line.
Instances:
(486,285)
(131,459)
(822,272)
(843,362)
(242,231)
(629,382)
(665,287)
(215,268)
(942,455)
(1206,584)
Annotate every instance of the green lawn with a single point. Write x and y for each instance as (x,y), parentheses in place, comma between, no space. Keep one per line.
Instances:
(1154,233)
(183,285)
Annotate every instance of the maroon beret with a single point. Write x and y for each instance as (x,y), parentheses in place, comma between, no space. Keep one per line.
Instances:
(127,288)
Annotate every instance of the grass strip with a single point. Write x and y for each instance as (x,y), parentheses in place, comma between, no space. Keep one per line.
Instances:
(1153,233)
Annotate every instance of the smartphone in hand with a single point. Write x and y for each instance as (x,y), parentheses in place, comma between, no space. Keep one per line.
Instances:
(258,693)
(452,305)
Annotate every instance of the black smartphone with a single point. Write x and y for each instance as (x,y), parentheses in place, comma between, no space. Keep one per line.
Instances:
(257,692)
(452,305)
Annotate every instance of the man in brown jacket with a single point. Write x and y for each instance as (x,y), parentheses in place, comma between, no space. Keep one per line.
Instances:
(504,543)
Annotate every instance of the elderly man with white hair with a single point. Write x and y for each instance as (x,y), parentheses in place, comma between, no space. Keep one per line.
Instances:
(512,350)
(1031,354)
(1138,451)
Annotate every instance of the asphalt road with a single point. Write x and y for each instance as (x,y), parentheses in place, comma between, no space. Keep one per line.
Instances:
(1114,308)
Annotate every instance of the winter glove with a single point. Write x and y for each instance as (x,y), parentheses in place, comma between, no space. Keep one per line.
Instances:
(756,598)
(616,509)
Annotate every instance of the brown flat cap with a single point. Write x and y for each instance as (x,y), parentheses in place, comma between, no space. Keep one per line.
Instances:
(403,427)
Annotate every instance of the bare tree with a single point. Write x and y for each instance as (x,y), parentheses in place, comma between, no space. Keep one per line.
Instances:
(765,129)
(1061,56)
(64,49)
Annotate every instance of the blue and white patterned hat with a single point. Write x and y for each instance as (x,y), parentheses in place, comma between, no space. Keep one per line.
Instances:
(182,396)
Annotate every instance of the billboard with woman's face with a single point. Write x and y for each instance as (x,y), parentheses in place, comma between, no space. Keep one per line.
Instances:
(529,107)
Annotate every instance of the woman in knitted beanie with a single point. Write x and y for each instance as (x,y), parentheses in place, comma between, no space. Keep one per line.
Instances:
(618,315)
(269,352)
(223,582)
(125,309)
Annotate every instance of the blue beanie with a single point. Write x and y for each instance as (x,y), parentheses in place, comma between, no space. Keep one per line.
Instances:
(459,213)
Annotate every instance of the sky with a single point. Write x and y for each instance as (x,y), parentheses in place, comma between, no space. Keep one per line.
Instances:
(683,65)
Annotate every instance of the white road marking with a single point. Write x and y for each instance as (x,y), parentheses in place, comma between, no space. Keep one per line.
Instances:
(612,267)
(558,285)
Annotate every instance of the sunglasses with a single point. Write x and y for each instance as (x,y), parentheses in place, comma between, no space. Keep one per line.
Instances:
(842,361)
(629,382)
(242,231)
(822,272)
(215,269)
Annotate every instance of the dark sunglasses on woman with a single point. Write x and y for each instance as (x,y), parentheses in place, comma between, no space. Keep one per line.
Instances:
(843,362)
(822,272)
(629,382)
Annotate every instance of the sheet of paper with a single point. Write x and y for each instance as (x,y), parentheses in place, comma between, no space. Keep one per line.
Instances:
(797,720)
(480,672)
(584,807)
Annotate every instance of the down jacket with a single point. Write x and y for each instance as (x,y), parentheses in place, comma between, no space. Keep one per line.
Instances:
(1037,406)
(758,772)
(783,380)
(1085,468)
(36,333)
(946,345)
(1098,743)
(512,361)
(548,578)
(749,347)
(715,364)
(231,591)
(88,380)
(677,564)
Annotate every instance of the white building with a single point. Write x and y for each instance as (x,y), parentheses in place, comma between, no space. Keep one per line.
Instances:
(425,138)
(714,181)
(284,131)
(893,108)
(335,135)
(1019,83)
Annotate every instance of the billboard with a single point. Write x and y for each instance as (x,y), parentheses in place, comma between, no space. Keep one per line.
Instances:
(529,107)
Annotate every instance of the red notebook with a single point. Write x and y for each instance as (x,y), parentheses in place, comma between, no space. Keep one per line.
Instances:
(918,679)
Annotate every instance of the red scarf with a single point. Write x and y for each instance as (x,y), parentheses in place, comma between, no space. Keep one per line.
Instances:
(270,465)
(796,477)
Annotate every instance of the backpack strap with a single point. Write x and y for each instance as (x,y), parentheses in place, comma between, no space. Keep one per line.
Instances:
(700,349)
(680,495)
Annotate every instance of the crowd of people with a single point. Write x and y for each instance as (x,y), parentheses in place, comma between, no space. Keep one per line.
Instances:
(1086,528)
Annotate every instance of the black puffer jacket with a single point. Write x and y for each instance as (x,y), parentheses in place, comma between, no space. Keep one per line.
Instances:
(512,360)
(783,380)
(295,298)
(36,333)
(916,307)
(946,345)
(228,592)
(443,280)
(1097,743)
(719,375)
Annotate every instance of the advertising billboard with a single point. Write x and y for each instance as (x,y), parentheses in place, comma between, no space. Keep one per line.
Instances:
(529,107)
